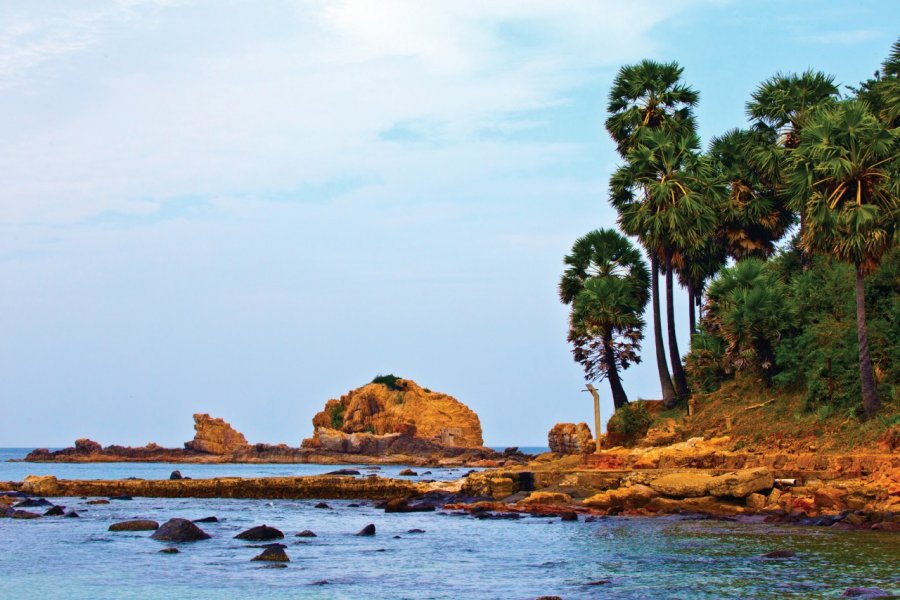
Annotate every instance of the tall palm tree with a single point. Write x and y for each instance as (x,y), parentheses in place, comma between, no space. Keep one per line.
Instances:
(606,283)
(783,102)
(666,197)
(651,96)
(695,266)
(845,181)
(754,216)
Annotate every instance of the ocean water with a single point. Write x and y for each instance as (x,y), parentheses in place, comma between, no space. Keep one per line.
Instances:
(456,557)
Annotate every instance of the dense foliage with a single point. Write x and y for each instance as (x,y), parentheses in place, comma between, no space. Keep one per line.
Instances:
(788,227)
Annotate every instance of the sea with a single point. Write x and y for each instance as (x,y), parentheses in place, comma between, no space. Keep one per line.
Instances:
(455,556)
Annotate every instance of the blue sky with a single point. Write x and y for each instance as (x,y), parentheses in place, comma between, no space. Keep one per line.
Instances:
(243,210)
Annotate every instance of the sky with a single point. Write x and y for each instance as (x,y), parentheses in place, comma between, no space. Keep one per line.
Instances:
(248,208)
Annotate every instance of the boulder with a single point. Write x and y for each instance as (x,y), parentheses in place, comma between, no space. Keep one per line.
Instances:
(215,436)
(71,514)
(207,520)
(402,505)
(399,406)
(176,475)
(756,501)
(741,484)
(40,485)
(407,473)
(179,530)
(546,498)
(682,485)
(260,533)
(135,525)
(367,530)
(273,553)
(571,438)
(55,511)
(629,498)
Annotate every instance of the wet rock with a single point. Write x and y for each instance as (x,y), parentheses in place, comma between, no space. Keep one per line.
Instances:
(22,514)
(407,473)
(496,516)
(32,503)
(55,511)
(322,505)
(886,526)
(179,530)
(415,530)
(207,520)
(306,533)
(367,530)
(170,551)
(122,497)
(100,501)
(71,515)
(320,582)
(343,472)
(353,505)
(779,554)
(274,565)
(402,505)
(260,533)
(176,475)
(135,525)
(568,515)
(598,582)
(860,592)
(273,553)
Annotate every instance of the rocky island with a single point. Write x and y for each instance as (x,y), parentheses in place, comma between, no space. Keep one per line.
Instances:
(388,421)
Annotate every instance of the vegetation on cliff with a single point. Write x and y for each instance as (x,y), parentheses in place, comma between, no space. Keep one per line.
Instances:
(811,316)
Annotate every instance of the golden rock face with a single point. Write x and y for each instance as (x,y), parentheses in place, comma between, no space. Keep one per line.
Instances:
(403,408)
(215,436)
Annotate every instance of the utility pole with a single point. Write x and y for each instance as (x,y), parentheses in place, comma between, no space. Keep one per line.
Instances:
(596,395)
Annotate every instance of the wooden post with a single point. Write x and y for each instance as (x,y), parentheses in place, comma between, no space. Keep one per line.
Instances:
(596,396)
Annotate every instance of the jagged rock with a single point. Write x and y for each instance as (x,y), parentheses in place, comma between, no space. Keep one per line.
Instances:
(87,446)
(367,530)
(571,438)
(273,553)
(55,511)
(179,530)
(260,533)
(214,436)
(135,525)
(71,515)
(401,408)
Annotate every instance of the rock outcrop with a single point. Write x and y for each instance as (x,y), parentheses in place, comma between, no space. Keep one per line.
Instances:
(570,438)
(215,436)
(393,406)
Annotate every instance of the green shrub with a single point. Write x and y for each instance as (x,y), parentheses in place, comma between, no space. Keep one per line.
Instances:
(337,416)
(630,422)
(399,398)
(390,381)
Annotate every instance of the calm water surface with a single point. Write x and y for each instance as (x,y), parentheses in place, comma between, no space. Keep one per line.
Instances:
(456,557)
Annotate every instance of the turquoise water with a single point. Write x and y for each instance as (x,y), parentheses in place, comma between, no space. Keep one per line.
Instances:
(456,557)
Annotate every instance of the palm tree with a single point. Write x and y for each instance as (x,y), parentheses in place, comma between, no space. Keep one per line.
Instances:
(754,217)
(666,196)
(644,97)
(606,283)
(845,181)
(695,267)
(747,309)
(783,101)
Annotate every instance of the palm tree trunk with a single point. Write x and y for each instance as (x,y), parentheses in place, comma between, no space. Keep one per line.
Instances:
(665,380)
(871,403)
(692,317)
(674,355)
(612,373)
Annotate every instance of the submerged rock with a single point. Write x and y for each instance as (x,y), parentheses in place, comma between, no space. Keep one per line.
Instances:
(55,511)
(207,520)
(367,530)
(306,533)
(273,553)
(179,530)
(260,533)
(71,514)
(32,503)
(135,525)
(170,551)
(343,472)
(322,505)
(860,592)
(779,554)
